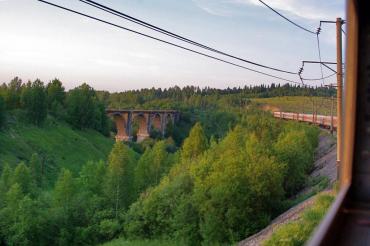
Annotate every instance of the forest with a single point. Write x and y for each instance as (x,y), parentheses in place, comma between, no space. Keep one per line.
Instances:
(223,173)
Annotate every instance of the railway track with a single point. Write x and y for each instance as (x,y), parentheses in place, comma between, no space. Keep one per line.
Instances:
(348,220)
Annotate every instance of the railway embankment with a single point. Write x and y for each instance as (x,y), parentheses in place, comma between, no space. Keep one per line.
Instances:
(325,168)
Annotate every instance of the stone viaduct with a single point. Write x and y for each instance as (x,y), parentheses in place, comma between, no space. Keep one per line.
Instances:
(147,121)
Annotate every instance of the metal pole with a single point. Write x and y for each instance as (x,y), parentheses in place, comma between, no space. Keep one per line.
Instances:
(339,23)
(331,114)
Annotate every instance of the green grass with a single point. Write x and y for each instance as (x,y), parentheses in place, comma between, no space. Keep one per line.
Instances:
(57,144)
(298,232)
(297,104)
(123,242)
(316,184)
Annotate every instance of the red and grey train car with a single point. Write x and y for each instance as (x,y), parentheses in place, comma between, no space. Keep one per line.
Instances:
(320,120)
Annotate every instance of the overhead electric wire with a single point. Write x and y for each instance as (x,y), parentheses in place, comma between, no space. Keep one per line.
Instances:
(173,35)
(313,79)
(319,53)
(287,19)
(166,42)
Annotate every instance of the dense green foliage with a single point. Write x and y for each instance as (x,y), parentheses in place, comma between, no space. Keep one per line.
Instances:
(123,242)
(84,110)
(80,107)
(2,112)
(83,209)
(55,98)
(298,232)
(206,97)
(218,175)
(12,93)
(228,191)
(208,192)
(33,100)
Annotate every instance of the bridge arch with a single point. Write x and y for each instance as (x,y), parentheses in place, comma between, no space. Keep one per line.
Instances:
(157,121)
(146,121)
(142,122)
(121,126)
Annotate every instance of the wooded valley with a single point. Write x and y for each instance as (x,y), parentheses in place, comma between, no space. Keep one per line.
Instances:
(222,173)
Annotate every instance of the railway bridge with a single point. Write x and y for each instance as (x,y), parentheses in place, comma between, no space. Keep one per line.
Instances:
(147,120)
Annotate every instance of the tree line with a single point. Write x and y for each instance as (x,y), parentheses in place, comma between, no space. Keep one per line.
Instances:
(133,98)
(80,106)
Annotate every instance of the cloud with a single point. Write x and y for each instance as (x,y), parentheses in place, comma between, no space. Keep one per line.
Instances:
(217,8)
(311,10)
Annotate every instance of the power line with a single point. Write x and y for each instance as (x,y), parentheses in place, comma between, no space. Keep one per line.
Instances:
(312,79)
(166,42)
(276,12)
(173,35)
(319,53)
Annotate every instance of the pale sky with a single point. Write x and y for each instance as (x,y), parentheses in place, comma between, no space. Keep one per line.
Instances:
(40,41)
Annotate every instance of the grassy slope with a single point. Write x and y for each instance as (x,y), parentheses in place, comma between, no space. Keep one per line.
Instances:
(298,232)
(297,104)
(123,242)
(55,142)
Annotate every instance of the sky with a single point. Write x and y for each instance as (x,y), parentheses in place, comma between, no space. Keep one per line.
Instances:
(40,41)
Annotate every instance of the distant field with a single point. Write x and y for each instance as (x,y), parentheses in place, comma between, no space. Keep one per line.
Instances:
(297,104)
(56,143)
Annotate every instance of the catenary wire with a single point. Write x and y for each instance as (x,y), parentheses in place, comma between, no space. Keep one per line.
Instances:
(173,35)
(166,42)
(319,53)
(287,19)
(313,79)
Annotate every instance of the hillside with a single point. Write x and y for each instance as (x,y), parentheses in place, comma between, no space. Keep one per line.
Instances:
(57,144)
(325,169)
(301,104)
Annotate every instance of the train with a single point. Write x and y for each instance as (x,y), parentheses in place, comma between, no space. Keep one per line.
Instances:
(348,219)
(329,122)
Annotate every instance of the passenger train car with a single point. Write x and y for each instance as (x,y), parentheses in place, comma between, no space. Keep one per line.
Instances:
(329,122)
(348,220)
